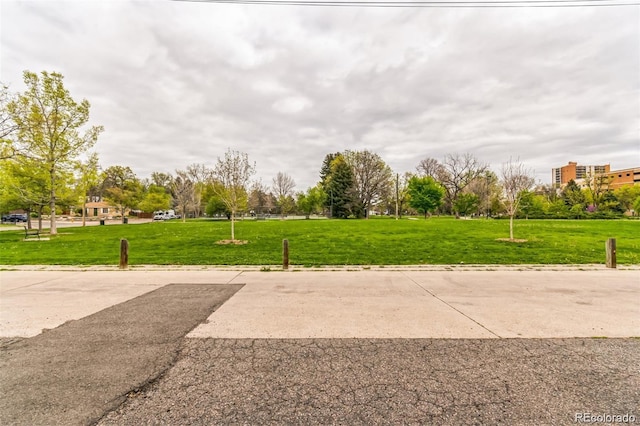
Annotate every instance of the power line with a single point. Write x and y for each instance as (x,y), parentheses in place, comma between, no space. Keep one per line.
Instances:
(427,4)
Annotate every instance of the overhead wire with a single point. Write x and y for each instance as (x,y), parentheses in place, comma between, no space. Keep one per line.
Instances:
(428,4)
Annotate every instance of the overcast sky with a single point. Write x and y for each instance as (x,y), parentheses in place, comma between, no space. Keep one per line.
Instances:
(176,83)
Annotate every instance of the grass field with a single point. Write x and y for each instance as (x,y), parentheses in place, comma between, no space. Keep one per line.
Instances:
(379,241)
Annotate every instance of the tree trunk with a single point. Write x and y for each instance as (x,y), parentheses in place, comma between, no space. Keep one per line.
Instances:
(41,207)
(84,211)
(52,204)
(397,194)
(511,227)
(233,234)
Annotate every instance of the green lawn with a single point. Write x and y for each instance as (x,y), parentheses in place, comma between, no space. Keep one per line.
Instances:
(379,241)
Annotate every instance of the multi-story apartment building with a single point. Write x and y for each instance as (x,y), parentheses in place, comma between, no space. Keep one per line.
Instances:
(617,178)
(562,175)
(614,178)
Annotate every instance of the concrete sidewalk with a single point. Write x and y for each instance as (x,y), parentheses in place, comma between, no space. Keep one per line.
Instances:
(349,304)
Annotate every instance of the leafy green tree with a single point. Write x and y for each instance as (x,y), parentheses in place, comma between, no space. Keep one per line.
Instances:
(558,208)
(312,201)
(23,185)
(425,194)
(122,188)
(48,123)
(636,206)
(610,203)
(372,178)
(573,195)
(626,196)
(577,211)
(532,204)
(87,178)
(163,180)
(216,206)
(155,198)
(466,203)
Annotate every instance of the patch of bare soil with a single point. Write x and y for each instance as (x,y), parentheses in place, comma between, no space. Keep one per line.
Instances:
(234,242)
(509,240)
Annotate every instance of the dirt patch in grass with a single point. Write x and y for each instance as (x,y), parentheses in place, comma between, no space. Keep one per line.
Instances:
(234,242)
(515,240)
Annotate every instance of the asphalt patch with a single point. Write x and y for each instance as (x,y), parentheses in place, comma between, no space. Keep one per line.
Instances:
(392,381)
(77,372)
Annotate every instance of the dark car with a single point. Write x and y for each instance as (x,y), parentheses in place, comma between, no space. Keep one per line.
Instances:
(15,217)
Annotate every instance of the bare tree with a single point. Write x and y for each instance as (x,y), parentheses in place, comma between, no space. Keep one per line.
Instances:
(7,125)
(283,186)
(373,179)
(516,179)
(183,190)
(458,172)
(233,172)
(486,188)
(260,201)
(432,168)
(200,175)
(399,200)
(596,184)
(162,179)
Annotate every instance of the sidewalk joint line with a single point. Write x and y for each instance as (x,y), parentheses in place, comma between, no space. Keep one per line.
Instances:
(451,306)
(38,283)
(234,277)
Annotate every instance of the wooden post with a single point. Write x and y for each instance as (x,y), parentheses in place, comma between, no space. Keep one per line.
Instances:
(611,252)
(124,254)
(285,254)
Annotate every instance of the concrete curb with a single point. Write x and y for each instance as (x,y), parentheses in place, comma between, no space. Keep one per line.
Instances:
(325,268)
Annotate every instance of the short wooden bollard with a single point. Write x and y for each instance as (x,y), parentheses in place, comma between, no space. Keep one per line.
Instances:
(611,252)
(124,254)
(285,254)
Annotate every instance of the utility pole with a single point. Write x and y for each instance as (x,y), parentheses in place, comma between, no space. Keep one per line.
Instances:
(397,194)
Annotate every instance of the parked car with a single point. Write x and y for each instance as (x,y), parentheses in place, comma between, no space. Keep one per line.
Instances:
(165,215)
(15,217)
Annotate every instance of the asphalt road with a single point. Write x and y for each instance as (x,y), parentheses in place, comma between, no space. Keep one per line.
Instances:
(77,372)
(389,381)
(137,349)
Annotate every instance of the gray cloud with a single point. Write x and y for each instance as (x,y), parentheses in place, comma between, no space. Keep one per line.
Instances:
(177,83)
